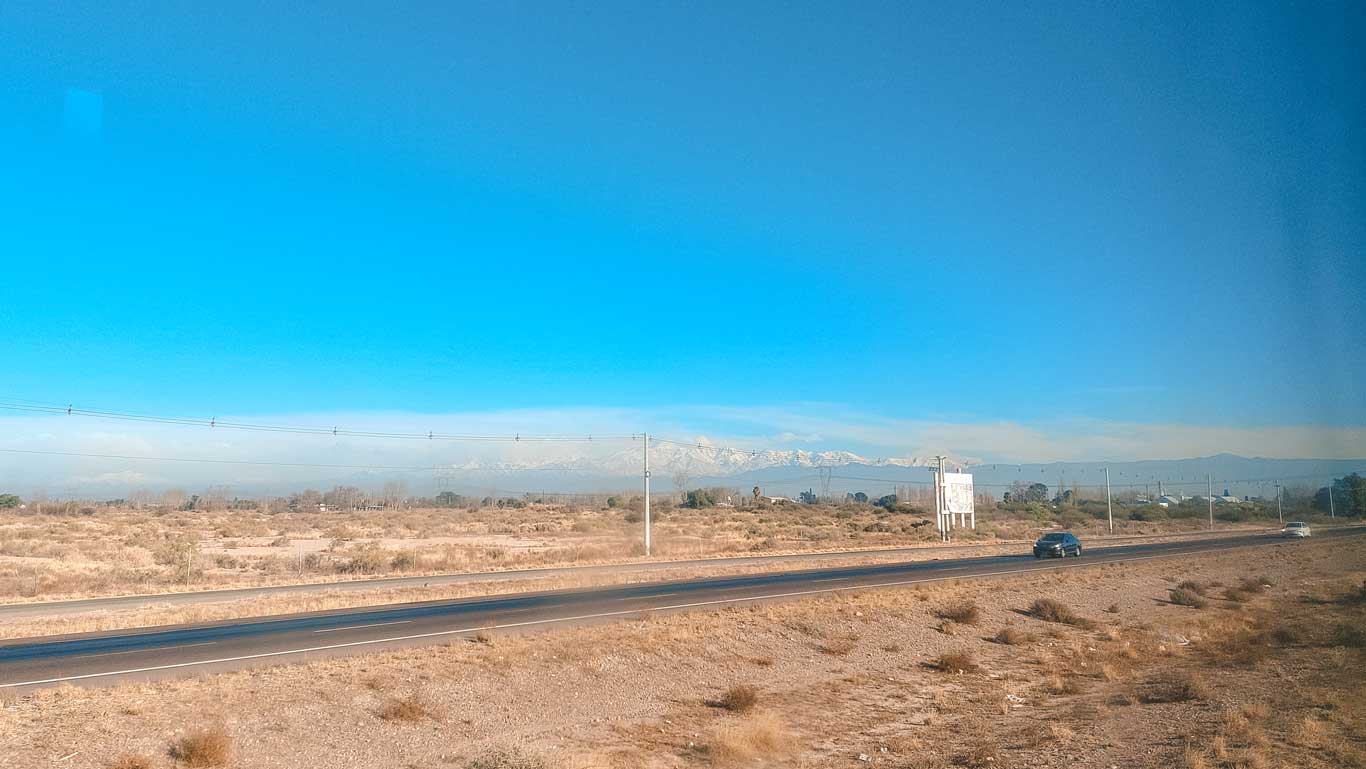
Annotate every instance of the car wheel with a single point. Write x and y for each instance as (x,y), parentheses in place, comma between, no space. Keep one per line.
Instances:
(1078,551)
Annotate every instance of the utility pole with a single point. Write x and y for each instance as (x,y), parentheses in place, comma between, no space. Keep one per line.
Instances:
(647,494)
(1210,484)
(1280,516)
(1331,512)
(1109,510)
(945,520)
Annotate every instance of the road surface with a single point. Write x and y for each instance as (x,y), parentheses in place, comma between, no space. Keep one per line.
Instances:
(35,609)
(153,653)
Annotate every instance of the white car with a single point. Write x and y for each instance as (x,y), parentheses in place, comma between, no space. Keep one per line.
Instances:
(1295,529)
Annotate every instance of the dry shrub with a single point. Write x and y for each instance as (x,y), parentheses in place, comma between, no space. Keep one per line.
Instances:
(507,759)
(1183,597)
(955,662)
(1050,610)
(1057,684)
(1243,647)
(747,740)
(406,709)
(1351,636)
(1009,636)
(130,761)
(1195,758)
(962,612)
(839,646)
(1112,608)
(1192,586)
(984,755)
(740,698)
(1175,687)
(209,746)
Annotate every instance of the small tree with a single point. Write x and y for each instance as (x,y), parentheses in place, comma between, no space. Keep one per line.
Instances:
(8,501)
(699,498)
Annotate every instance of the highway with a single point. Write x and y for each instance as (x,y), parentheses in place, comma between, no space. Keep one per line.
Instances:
(34,609)
(180,650)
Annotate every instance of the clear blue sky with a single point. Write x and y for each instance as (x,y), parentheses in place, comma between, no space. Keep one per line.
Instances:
(1122,211)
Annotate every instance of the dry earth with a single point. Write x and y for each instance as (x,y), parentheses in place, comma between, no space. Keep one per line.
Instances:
(104,550)
(1270,673)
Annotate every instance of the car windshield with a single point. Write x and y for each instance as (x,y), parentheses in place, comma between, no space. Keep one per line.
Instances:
(1053,537)
(1295,525)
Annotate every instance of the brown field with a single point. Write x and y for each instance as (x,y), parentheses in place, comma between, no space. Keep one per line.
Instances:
(1098,669)
(110,550)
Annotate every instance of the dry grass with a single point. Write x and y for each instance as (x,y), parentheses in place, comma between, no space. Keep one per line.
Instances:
(962,612)
(1191,586)
(507,759)
(956,662)
(1175,686)
(1010,636)
(1059,685)
(740,698)
(1348,635)
(407,709)
(1050,610)
(131,761)
(1184,597)
(206,747)
(839,647)
(756,737)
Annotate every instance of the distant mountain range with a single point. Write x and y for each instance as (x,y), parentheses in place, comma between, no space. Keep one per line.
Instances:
(838,472)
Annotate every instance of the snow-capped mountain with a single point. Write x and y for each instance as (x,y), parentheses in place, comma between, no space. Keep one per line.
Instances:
(698,459)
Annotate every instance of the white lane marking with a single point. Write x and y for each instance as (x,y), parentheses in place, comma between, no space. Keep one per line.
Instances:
(832,579)
(954,568)
(354,627)
(599,615)
(135,651)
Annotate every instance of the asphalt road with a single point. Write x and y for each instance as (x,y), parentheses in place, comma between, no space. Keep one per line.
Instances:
(152,653)
(35,609)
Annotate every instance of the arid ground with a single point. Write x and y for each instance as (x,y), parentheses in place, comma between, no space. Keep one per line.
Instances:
(114,550)
(1252,658)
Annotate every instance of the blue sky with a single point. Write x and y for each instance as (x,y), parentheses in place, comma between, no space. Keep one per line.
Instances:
(967,215)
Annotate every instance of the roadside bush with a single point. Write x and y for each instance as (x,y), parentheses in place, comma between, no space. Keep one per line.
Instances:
(207,747)
(406,709)
(1175,687)
(1050,610)
(962,612)
(956,662)
(507,759)
(1183,597)
(1009,636)
(740,698)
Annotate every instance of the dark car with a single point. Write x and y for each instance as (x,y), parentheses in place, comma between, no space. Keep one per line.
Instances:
(1057,543)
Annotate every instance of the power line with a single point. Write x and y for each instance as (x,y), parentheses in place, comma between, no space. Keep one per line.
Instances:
(215,423)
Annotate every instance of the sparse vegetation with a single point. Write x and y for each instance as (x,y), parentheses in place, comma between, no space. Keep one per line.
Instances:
(1050,610)
(209,746)
(507,759)
(1010,636)
(759,736)
(405,709)
(740,698)
(962,612)
(956,662)
(1175,686)
(1184,597)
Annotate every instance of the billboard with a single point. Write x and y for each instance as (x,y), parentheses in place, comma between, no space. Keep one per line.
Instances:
(958,493)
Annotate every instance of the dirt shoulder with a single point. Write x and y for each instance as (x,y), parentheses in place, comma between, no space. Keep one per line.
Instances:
(1268,673)
(34,620)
